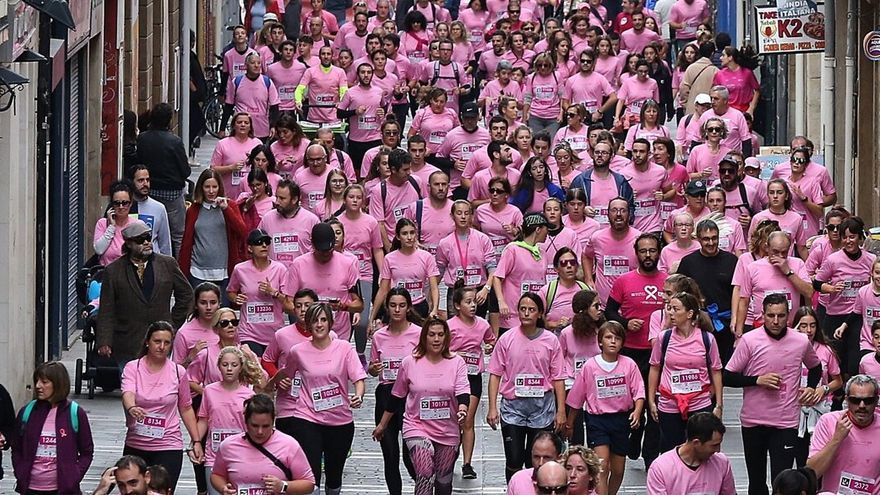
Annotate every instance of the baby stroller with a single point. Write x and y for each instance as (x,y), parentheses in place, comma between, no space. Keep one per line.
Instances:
(96,371)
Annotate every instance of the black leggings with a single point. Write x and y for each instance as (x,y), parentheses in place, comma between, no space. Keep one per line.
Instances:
(199,469)
(390,443)
(758,441)
(171,460)
(330,442)
(285,425)
(802,449)
(847,348)
(518,442)
(673,428)
(357,150)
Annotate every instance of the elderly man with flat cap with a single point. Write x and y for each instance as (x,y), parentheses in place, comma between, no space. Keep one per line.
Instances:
(138,290)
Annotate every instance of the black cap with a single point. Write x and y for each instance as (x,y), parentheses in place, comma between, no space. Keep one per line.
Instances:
(323,237)
(257,235)
(535,219)
(696,188)
(469,109)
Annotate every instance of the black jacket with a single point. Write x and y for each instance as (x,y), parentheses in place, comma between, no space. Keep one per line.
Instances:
(163,153)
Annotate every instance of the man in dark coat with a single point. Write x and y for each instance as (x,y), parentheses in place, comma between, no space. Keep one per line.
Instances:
(137,291)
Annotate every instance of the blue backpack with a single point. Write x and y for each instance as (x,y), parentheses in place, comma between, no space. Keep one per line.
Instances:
(74,415)
(237,82)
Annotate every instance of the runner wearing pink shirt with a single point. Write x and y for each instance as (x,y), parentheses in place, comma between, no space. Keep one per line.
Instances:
(683,244)
(633,93)
(527,369)
(258,286)
(498,219)
(766,363)
(704,160)
(389,201)
(255,94)
(813,170)
(469,335)
(411,268)
(685,16)
(197,333)
(695,206)
(290,147)
(685,371)
(650,184)
(389,346)
(323,421)
(542,97)
(476,20)
(289,225)
(697,465)
(608,252)
(465,254)
(418,151)
(432,384)
(636,38)
(490,95)
(243,463)
(325,85)
(460,145)
(203,370)
(231,153)
(498,127)
(589,89)
(490,58)
(365,106)
(789,221)
(867,306)
(435,120)
(808,192)
(649,127)
(576,219)
(234,59)
(521,269)
(610,391)
(501,156)
(154,392)
(432,215)
(739,136)
(286,74)
(559,290)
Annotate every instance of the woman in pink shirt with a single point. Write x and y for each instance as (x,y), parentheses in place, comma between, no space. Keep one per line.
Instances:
(870,362)
(203,371)
(806,321)
(462,50)
(568,164)
(521,268)
(583,466)
(607,63)
(739,80)
(686,57)
(154,392)
(221,414)
(498,219)
(476,19)
(415,38)
(730,233)
(390,345)
(256,286)
(434,121)
(521,141)
(682,245)
(197,333)
(575,133)
(378,171)
(757,249)
(685,370)
(466,255)
(469,335)
(577,219)
(261,157)
(867,305)
(703,160)
(560,51)
(433,385)
(610,391)
(649,126)
(290,147)
(634,92)
(542,97)
(334,196)
(528,370)
(244,461)
(323,422)
(231,153)
(108,239)
(258,201)
(780,211)
(409,267)
(807,194)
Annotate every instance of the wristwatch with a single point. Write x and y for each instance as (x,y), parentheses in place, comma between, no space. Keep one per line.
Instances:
(283,487)
(790,272)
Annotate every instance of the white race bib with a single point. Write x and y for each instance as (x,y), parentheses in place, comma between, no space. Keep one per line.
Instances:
(259,312)
(434,408)
(472,275)
(368,122)
(610,386)
(529,385)
(47,447)
(326,397)
(296,385)
(390,367)
(613,266)
(853,484)
(686,381)
(152,426)
(531,286)
(415,288)
(472,360)
(220,434)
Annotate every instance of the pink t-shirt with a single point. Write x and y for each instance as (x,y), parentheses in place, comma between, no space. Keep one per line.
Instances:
(870,365)
(577,350)
(527,366)
(467,341)
(855,466)
(228,151)
(684,370)
(468,259)
(480,183)
(286,80)
(757,353)
(480,161)
(790,222)
(672,254)
(741,83)
(520,273)
(561,304)
(44,471)
(565,238)
(645,184)
(634,93)
(489,62)
(254,97)
(289,158)
(311,186)
(430,389)
(390,348)
(669,224)
(737,127)
(606,392)
(189,334)
(244,466)
(838,267)
(492,224)
(609,67)
(361,237)
(701,158)
(590,90)
(397,199)
(579,140)
(521,483)
(601,193)
(114,250)
(669,474)
(640,132)
(543,94)
(434,126)
(762,279)
(436,223)
(234,62)
(326,374)
(612,257)
(224,410)
(691,14)
(635,42)
(410,271)
(639,296)
(276,353)
(461,145)
(331,281)
(262,314)
(365,127)
(493,91)
(476,24)
(322,88)
(160,394)
(583,230)
(867,304)
(291,237)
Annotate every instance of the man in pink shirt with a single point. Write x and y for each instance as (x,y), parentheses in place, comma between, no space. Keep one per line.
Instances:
(312,179)
(490,58)
(286,74)
(685,16)
(255,94)
(459,146)
(767,364)
(289,225)
(364,106)
(233,60)
(353,39)
(325,84)
(589,89)
(389,201)
(844,449)
(650,183)
(638,37)
(418,150)
(433,217)
(480,160)
(696,466)
(608,251)
(742,201)
(600,185)
(738,135)
(502,156)
(448,75)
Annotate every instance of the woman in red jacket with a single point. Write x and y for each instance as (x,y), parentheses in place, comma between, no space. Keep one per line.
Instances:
(213,234)
(52,442)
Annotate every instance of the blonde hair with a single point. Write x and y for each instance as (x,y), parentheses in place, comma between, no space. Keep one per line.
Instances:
(250,373)
(593,462)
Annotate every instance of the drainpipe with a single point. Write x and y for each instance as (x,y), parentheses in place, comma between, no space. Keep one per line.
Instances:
(852,13)
(828,79)
(185,46)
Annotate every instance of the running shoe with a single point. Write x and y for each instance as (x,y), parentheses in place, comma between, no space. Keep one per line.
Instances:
(467,472)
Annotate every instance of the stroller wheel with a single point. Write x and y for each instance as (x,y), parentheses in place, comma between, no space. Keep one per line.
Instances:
(92,388)
(79,377)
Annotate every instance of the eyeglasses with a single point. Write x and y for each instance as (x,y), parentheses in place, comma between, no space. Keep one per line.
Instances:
(831,227)
(265,241)
(549,490)
(141,239)
(542,65)
(682,224)
(513,11)
(799,161)
(715,130)
(495,190)
(225,323)
(724,171)
(648,251)
(316,160)
(120,203)
(868,401)
(586,61)
(391,133)
(573,114)
(571,262)
(602,153)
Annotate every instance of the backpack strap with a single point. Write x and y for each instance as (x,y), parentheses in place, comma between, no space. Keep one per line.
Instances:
(26,414)
(29,408)
(420,210)
(415,184)
(744,197)
(340,158)
(552,287)
(667,336)
(383,189)
(707,345)
(664,344)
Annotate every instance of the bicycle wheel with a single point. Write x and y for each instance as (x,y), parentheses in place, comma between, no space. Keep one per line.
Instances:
(213,111)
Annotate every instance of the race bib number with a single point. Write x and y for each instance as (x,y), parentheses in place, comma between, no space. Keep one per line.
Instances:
(416,57)
(326,397)
(476,36)
(415,288)
(237,176)
(851,288)
(325,99)
(686,381)
(872,314)
(368,122)
(434,408)
(530,286)
(238,69)
(467,151)
(151,426)
(285,93)
(550,274)
(285,243)
(472,360)
(398,213)
(498,243)
(579,364)
(666,209)
(472,275)
(296,385)
(601,215)
(610,386)
(853,484)
(544,93)
(578,143)
(390,367)
(613,266)
(217,437)
(436,137)
(646,207)
(313,198)
(259,312)
(591,105)
(252,490)
(529,385)
(47,447)
(363,262)
(635,107)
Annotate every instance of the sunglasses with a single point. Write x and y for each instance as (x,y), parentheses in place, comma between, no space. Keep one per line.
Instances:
(799,161)
(586,61)
(723,171)
(868,401)
(542,65)
(715,130)
(573,263)
(548,490)
(265,241)
(120,203)
(573,114)
(832,227)
(141,239)
(513,11)
(225,323)
(497,191)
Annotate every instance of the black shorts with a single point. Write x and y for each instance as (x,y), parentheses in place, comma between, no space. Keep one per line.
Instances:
(476,382)
(492,300)
(608,429)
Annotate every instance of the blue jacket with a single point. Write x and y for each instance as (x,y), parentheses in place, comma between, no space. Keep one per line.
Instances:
(624,190)
(519,198)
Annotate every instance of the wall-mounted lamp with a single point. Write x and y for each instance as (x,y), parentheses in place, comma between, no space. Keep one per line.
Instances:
(10,82)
